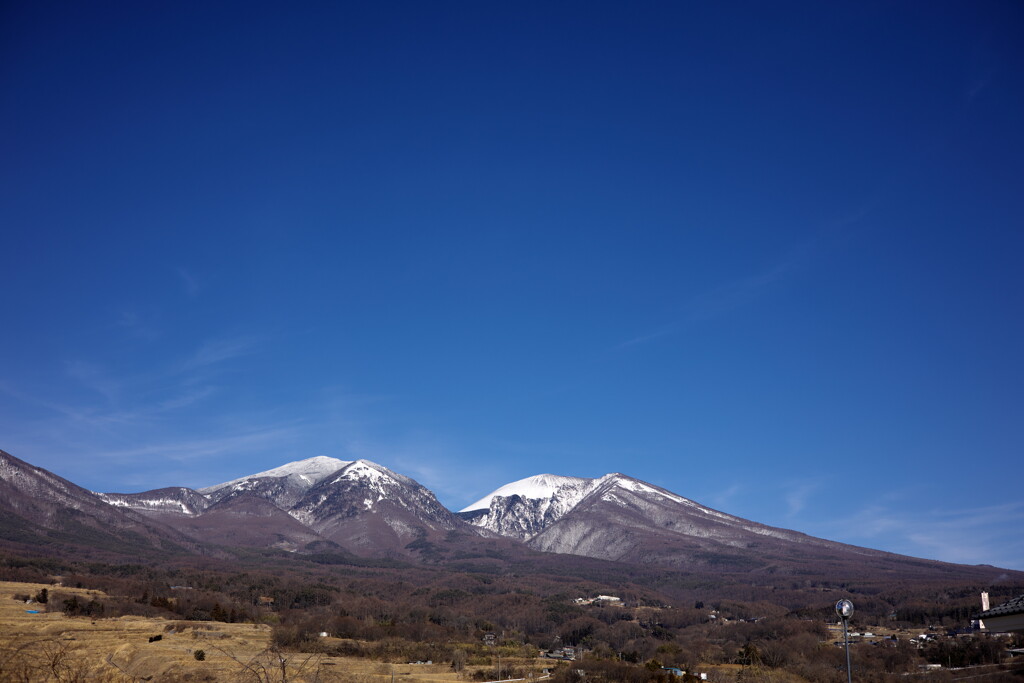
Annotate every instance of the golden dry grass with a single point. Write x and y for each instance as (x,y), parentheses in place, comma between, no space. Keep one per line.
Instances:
(54,647)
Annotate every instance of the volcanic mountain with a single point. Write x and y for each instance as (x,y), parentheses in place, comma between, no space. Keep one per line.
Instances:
(367,508)
(524,508)
(619,518)
(334,508)
(359,506)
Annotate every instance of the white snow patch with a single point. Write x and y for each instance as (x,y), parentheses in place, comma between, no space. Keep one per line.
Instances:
(362,469)
(537,487)
(638,486)
(310,471)
(145,503)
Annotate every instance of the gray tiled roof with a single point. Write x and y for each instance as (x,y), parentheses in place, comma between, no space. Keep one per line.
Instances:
(1015,606)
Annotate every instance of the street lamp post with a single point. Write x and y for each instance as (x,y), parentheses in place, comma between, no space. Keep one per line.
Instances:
(844,608)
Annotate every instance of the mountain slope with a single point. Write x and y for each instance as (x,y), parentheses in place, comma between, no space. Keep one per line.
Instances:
(172,500)
(359,506)
(366,508)
(284,485)
(245,520)
(619,518)
(622,517)
(40,509)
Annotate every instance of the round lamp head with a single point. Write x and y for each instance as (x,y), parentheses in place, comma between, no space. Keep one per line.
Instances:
(844,608)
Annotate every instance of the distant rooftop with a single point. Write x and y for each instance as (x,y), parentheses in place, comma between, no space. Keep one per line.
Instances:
(1015,606)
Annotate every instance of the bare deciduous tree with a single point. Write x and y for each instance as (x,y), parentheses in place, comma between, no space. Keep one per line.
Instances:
(272,665)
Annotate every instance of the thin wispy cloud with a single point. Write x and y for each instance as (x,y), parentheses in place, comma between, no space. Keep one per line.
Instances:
(439,465)
(649,337)
(737,293)
(983,76)
(142,417)
(424,462)
(137,397)
(56,407)
(968,535)
(185,399)
(137,326)
(215,351)
(748,289)
(189,450)
(977,87)
(745,290)
(189,282)
(422,470)
(94,378)
(717,301)
(722,500)
(798,495)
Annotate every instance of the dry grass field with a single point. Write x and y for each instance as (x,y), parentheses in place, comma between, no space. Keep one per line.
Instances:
(50,646)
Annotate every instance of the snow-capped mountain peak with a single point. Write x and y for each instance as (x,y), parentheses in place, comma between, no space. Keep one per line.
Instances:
(303,473)
(368,472)
(535,487)
(358,504)
(524,508)
(366,503)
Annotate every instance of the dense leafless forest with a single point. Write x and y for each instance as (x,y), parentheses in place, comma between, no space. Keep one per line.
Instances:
(389,611)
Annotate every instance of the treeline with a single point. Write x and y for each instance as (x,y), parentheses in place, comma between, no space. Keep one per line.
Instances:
(397,614)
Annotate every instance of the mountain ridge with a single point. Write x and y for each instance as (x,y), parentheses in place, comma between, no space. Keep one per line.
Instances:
(38,507)
(309,470)
(356,505)
(366,510)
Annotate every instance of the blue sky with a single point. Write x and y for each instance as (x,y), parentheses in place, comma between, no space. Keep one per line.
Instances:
(765,255)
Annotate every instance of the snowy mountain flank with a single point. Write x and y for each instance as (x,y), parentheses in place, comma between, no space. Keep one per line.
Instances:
(524,508)
(296,477)
(536,503)
(617,517)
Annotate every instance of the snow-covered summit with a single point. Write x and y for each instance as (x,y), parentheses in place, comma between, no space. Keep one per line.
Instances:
(367,471)
(536,487)
(303,472)
(362,488)
(526,507)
